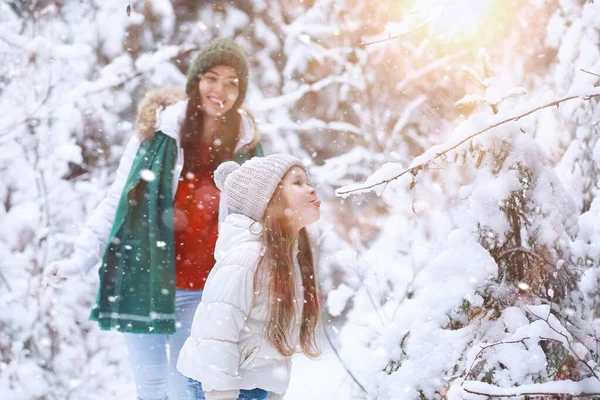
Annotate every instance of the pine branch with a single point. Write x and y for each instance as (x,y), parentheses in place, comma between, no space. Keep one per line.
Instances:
(487,347)
(415,170)
(570,345)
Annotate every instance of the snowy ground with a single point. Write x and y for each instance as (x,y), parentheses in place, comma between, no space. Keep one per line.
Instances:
(320,379)
(324,378)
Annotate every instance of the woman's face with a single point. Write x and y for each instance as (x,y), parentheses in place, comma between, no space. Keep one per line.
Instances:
(219,89)
(302,203)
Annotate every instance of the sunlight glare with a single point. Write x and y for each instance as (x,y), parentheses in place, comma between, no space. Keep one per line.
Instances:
(454,20)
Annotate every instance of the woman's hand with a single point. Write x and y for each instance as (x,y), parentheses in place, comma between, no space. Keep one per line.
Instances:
(58,272)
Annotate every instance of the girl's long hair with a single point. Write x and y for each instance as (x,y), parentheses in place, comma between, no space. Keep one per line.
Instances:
(276,273)
(192,134)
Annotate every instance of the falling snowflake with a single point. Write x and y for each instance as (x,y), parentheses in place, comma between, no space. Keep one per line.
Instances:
(147,175)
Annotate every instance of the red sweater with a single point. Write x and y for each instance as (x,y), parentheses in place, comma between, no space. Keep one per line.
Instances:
(196,214)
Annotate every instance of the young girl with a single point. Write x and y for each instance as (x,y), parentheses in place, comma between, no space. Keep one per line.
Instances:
(154,234)
(260,302)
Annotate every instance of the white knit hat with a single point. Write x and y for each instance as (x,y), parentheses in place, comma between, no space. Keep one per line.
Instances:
(249,187)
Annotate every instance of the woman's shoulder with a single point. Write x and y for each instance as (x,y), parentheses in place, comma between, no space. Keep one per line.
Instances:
(155,100)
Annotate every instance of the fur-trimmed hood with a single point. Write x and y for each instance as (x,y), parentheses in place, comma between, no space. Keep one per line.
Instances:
(157,100)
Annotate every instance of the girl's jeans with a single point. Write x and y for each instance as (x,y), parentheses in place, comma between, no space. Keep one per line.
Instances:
(154,368)
(196,392)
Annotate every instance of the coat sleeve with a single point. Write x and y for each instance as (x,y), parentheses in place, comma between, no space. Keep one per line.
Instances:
(91,242)
(211,354)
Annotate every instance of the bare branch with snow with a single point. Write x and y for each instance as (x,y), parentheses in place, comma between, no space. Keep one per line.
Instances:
(443,150)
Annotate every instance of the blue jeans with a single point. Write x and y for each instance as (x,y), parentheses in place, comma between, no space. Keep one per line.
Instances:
(196,392)
(154,368)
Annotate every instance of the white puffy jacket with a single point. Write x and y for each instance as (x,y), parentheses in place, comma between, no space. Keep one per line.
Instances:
(227,348)
(162,110)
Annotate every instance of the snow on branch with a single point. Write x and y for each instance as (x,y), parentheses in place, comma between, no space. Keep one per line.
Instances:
(492,98)
(341,126)
(424,160)
(484,83)
(487,346)
(413,75)
(296,95)
(567,340)
(397,30)
(470,99)
(585,388)
(589,387)
(392,37)
(589,72)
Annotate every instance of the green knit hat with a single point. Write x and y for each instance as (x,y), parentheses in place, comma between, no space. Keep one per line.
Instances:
(220,52)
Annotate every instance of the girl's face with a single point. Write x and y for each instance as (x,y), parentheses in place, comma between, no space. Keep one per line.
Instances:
(302,203)
(219,89)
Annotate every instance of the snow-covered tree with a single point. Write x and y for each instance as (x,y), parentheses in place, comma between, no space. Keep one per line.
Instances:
(489,303)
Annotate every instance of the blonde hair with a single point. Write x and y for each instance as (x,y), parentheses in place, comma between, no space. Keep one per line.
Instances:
(276,272)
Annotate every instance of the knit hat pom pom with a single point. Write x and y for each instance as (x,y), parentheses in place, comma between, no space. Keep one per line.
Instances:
(223,171)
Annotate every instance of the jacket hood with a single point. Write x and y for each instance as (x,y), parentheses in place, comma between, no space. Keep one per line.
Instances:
(166,105)
(236,230)
(154,102)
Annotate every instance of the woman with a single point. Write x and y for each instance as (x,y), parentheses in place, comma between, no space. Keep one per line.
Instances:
(260,303)
(155,232)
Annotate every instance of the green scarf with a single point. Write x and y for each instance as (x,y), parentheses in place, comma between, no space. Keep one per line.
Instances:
(137,275)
